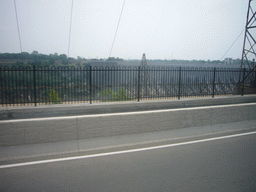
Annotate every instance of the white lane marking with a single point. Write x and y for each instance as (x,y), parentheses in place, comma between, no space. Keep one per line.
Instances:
(124,113)
(125,151)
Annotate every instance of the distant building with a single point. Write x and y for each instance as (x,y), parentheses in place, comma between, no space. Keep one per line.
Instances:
(229,61)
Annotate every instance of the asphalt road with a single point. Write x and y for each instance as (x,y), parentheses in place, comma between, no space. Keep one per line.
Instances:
(219,165)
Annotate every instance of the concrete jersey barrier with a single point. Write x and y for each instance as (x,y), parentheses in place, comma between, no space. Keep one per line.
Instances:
(115,107)
(53,129)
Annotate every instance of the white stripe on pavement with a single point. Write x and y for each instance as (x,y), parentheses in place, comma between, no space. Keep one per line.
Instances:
(124,113)
(123,152)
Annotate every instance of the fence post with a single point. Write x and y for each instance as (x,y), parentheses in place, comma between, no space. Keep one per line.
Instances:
(34,72)
(179,83)
(213,84)
(90,72)
(2,94)
(139,84)
(243,83)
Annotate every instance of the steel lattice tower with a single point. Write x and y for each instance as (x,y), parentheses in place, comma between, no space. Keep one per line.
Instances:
(143,61)
(249,54)
(144,76)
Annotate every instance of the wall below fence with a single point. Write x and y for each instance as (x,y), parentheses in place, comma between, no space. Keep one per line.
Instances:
(31,131)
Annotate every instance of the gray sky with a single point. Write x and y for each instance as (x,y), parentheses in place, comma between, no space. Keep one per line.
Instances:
(163,29)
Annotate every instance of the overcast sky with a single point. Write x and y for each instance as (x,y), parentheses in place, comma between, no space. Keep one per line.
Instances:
(163,29)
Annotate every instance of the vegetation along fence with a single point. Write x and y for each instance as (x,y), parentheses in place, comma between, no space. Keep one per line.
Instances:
(60,85)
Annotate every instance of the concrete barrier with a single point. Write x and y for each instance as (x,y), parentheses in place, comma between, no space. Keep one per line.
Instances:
(53,129)
(116,107)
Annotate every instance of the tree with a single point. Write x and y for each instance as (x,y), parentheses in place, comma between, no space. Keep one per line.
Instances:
(111,59)
(34,53)
(63,56)
(52,61)
(26,55)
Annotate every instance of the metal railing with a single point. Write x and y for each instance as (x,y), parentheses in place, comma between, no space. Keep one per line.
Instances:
(61,85)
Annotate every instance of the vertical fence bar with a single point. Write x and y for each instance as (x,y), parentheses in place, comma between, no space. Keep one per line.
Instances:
(48,84)
(1,80)
(65,84)
(23,85)
(71,85)
(11,86)
(51,84)
(138,84)
(34,73)
(243,83)
(74,85)
(83,84)
(45,84)
(90,82)
(8,86)
(16,86)
(2,87)
(5,84)
(21,75)
(179,83)
(60,99)
(55,86)
(68,82)
(254,81)
(213,84)
(39,81)
(112,83)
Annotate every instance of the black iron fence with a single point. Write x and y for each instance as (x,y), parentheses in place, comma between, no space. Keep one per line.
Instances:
(61,85)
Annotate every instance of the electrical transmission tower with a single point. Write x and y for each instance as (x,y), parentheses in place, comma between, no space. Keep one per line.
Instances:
(143,61)
(144,76)
(249,54)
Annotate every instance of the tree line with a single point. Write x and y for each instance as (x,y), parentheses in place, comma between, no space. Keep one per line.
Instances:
(55,59)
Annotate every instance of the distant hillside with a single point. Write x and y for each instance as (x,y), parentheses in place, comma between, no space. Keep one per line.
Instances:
(24,59)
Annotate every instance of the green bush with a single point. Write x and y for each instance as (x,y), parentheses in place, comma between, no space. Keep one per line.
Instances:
(121,95)
(53,97)
(107,95)
(110,95)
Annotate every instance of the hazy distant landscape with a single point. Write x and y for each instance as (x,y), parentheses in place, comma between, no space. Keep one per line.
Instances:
(39,59)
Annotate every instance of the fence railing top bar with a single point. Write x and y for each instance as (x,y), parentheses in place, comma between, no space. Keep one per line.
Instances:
(117,68)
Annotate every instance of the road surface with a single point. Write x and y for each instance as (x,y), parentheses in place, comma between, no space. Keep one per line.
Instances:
(222,164)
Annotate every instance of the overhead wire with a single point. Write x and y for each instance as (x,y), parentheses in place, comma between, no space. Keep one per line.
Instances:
(70,27)
(221,57)
(232,44)
(117,29)
(17,21)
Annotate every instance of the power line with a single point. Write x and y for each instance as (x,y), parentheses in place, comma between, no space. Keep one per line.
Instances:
(18,29)
(232,44)
(116,29)
(70,27)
